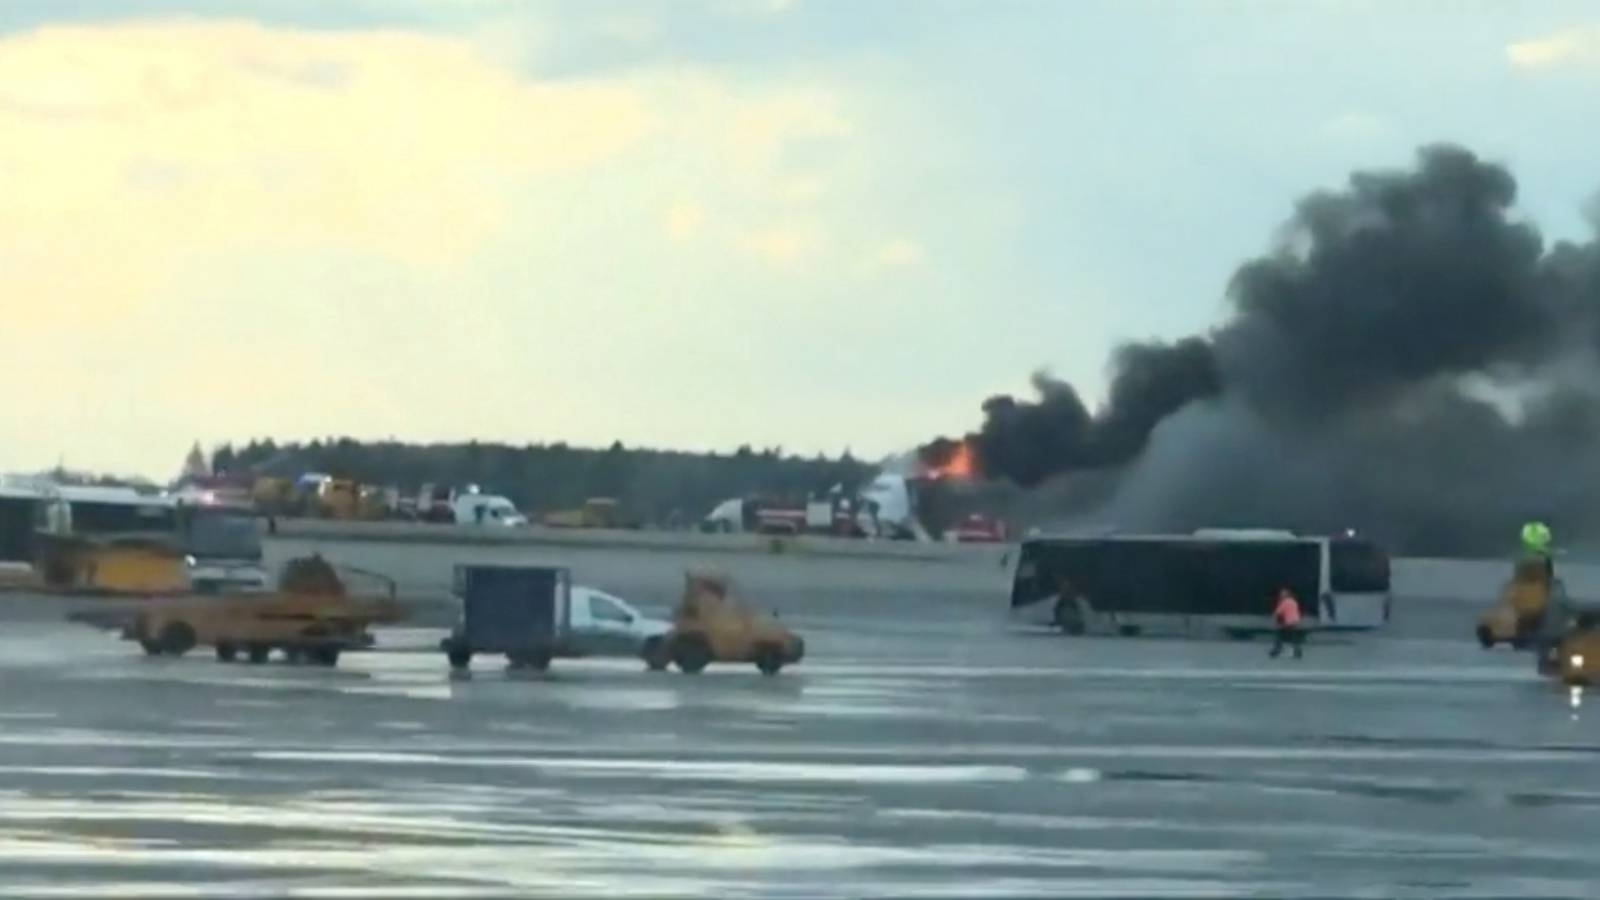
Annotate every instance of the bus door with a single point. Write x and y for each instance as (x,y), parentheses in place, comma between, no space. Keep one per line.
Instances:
(1357,592)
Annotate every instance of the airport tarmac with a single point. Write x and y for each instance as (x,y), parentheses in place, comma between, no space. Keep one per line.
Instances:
(924,748)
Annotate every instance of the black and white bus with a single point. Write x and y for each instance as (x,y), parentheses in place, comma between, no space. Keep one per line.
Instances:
(1212,580)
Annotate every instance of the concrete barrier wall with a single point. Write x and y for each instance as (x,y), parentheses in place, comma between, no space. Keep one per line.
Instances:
(666,541)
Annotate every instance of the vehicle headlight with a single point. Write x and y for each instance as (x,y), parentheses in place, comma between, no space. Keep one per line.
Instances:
(1577,660)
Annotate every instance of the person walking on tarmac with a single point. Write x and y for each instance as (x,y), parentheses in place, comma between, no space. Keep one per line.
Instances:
(1286,616)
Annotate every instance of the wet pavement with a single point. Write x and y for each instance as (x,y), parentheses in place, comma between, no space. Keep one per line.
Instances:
(925,748)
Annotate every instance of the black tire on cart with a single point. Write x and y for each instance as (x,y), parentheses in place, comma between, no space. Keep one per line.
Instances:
(537,660)
(226,652)
(177,638)
(324,656)
(1485,637)
(460,658)
(769,659)
(258,653)
(691,653)
(151,648)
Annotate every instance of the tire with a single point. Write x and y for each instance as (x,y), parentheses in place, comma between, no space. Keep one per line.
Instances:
(1129,630)
(151,648)
(324,656)
(1067,619)
(769,660)
(654,654)
(293,656)
(460,659)
(226,652)
(536,660)
(691,653)
(258,653)
(177,638)
(1485,637)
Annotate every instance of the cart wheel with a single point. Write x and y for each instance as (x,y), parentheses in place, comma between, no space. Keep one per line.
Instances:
(769,659)
(177,638)
(226,652)
(691,653)
(258,653)
(460,659)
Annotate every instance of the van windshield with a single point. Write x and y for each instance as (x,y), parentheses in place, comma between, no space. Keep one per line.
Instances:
(1357,567)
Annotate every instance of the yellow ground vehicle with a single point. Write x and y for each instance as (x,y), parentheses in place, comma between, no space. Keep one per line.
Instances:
(596,512)
(274,496)
(1516,618)
(311,615)
(710,626)
(1573,653)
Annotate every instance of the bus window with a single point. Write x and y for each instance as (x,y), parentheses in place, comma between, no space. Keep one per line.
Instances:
(1357,567)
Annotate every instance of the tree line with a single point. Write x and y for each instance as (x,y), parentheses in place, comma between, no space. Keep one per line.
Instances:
(656,486)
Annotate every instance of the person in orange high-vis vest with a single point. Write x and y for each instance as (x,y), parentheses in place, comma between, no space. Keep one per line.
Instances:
(1286,616)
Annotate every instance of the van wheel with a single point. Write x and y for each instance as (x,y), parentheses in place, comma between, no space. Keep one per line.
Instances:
(691,653)
(1485,637)
(655,655)
(177,638)
(258,653)
(226,652)
(769,660)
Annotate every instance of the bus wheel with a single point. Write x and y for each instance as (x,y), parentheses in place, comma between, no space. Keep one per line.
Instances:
(1485,637)
(1067,619)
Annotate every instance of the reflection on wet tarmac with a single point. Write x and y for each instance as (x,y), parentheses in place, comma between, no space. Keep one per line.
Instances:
(892,764)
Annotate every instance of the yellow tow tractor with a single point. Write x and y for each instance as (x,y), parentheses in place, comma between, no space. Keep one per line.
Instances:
(1516,618)
(710,625)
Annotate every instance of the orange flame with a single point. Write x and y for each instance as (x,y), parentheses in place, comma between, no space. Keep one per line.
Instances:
(959,466)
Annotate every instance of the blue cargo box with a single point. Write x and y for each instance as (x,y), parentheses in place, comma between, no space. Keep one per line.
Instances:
(510,609)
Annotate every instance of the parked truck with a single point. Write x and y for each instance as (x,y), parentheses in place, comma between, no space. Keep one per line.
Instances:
(534,614)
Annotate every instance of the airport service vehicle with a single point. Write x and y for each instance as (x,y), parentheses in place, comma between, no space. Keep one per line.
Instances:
(487,509)
(534,614)
(1219,580)
(120,541)
(311,615)
(977,528)
(1518,617)
(596,512)
(710,626)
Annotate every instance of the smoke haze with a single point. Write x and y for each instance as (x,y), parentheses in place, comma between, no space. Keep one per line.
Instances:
(1411,360)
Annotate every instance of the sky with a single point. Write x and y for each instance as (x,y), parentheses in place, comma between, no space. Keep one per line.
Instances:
(815,224)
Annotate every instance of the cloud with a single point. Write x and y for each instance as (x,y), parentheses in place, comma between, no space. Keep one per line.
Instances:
(683,220)
(265,229)
(783,245)
(758,7)
(1573,46)
(1354,126)
(898,253)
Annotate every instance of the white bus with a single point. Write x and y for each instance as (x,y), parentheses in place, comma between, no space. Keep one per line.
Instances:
(1213,580)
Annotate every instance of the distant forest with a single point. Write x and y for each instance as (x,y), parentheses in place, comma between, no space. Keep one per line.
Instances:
(655,486)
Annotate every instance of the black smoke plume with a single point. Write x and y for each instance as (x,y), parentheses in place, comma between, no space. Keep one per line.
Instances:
(1410,360)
